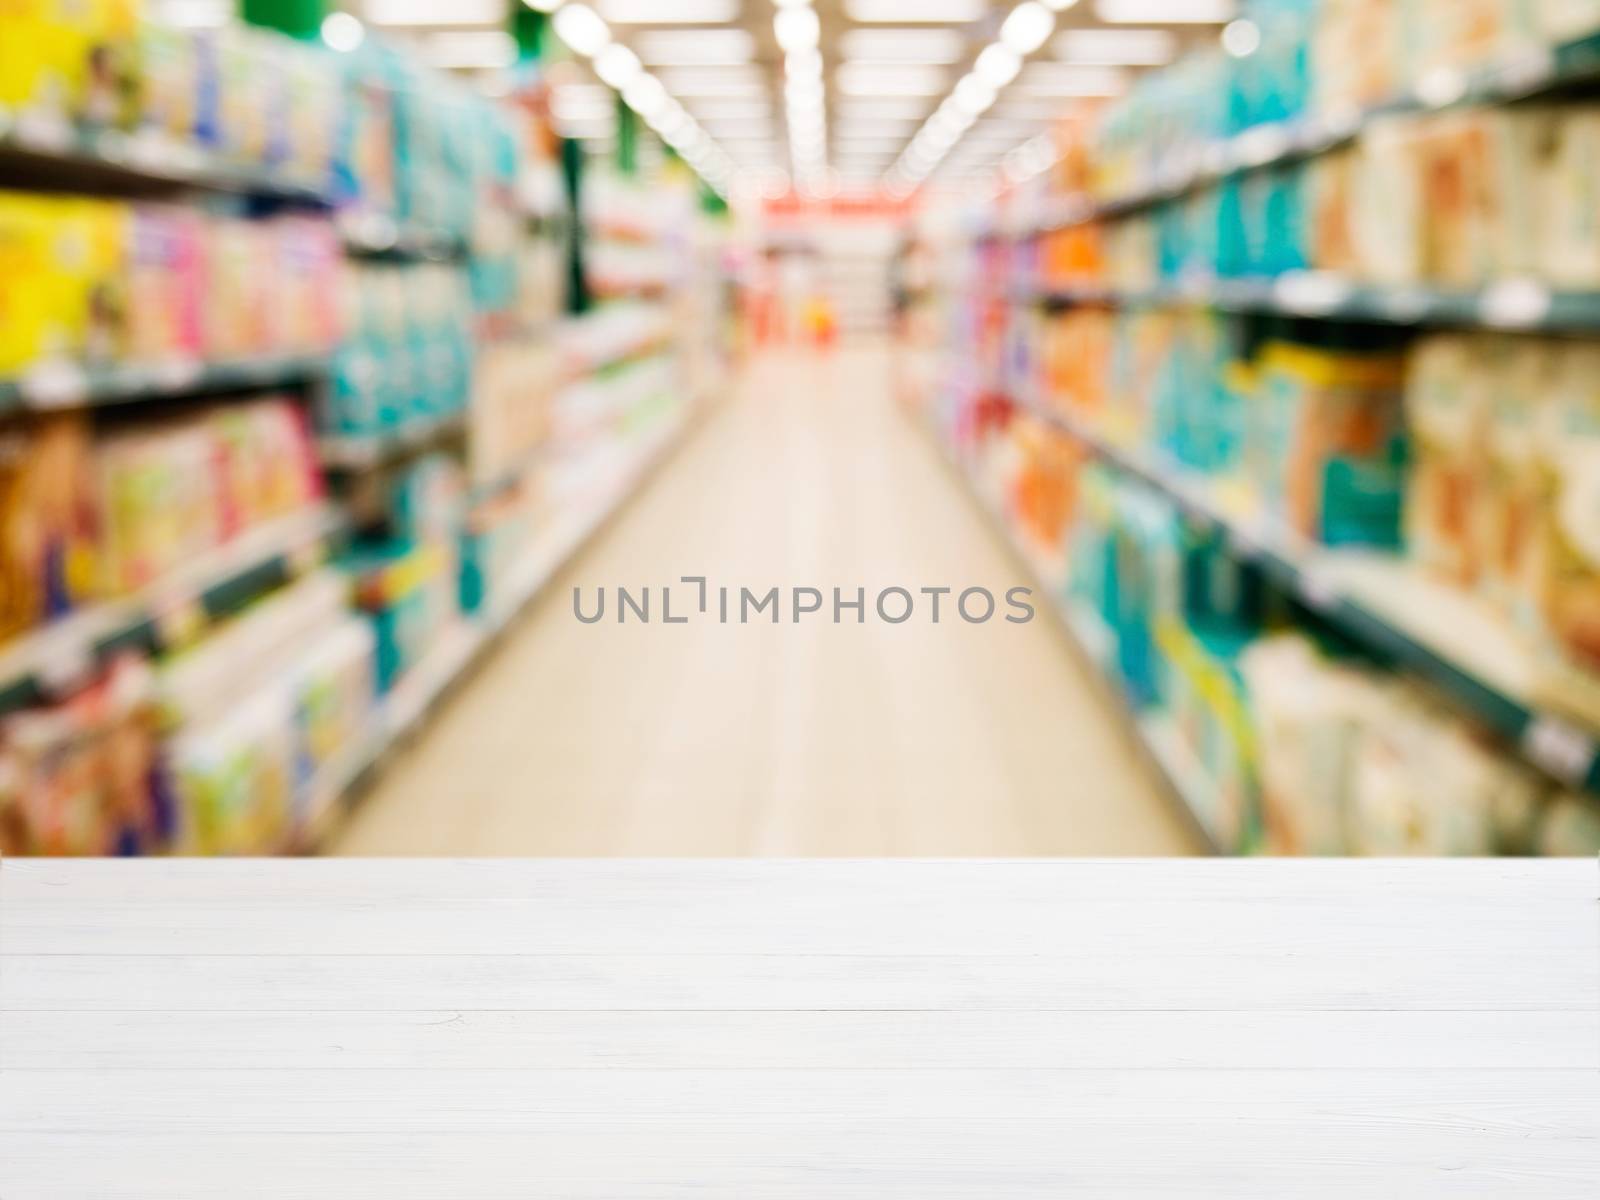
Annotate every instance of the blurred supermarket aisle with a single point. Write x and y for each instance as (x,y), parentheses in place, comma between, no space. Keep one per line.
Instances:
(808,739)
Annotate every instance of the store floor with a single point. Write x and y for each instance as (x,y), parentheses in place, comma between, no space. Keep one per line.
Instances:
(791,739)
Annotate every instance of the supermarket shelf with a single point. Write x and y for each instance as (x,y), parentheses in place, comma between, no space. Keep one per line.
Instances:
(375,235)
(1151,732)
(1509,304)
(419,692)
(56,155)
(209,587)
(364,452)
(1387,606)
(71,385)
(1533,73)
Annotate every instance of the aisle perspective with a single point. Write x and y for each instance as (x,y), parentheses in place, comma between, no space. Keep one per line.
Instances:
(1265,335)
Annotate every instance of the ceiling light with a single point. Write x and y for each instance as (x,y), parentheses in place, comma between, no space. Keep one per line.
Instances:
(673,121)
(925,12)
(193,14)
(997,65)
(733,108)
(743,81)
(1028,108)
(694,47)
(807,93)
(904,45)
(1061,79)
(1026,29)
(434,12)
(463,49)
(342,32)
(684,12)
(1241,38)
(1117,47)
(803,62)
(796,28)
(740,127)
(869,127)
(1164,12)
(910,108)
(973,95)
(875,79)
(582,29)
(617,65)
(645,95)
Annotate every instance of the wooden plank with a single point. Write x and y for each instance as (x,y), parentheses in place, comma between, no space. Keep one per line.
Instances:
(775,881)
(460,1039)
(1531,1104)
(1319,974)
(710,920)
(807,1159)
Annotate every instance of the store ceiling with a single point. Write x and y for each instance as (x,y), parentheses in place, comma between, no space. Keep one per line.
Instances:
(765,106)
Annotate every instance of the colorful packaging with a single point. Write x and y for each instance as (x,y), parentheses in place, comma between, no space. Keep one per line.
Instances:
(48,522)
(85,776)
(1336,426)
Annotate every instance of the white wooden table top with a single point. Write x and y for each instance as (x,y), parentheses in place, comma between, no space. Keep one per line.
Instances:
(611,1030)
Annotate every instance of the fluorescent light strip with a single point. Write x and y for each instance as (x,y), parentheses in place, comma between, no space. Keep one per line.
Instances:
(399,13)
(709,47)
(735,109)
(679,12)
(874,129)
(914,12)
(714,82)
(909,108)
(1025,28)
(1063,79)
(937,46)
(1165,12)
(1116,47)
(465,49)
(873,79)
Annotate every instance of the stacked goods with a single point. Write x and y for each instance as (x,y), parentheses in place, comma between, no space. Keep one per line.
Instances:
(262,717)
(1453,200)
(1505,489)
(407,357)
(1323,59)
(99,282)
(1294,750)
(86,776)
(230,95)
(1352,762)
(428,154)
(235,746)
(407,581)
(86,518)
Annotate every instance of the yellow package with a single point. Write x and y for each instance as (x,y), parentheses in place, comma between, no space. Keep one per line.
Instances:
(24,268)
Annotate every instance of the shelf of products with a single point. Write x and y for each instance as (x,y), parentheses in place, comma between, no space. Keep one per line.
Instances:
(1525,67)
(169,611)
(1305,427)
(1511,304)
(291,422)
(67,385)
(74,159)
(1392,607)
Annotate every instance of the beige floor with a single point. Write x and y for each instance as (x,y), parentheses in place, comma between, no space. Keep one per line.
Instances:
(816,739)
